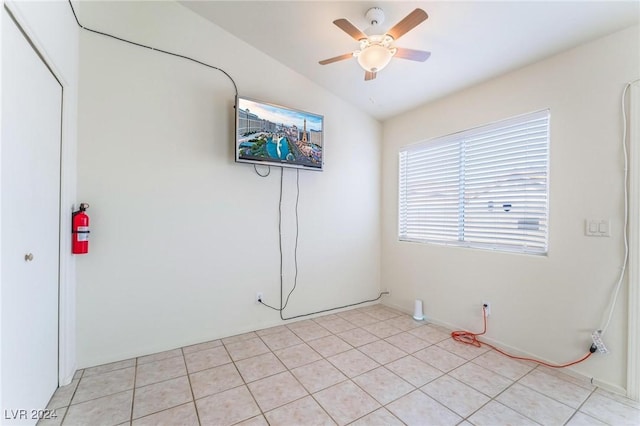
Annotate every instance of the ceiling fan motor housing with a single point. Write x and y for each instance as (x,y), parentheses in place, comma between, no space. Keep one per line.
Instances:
(375,16)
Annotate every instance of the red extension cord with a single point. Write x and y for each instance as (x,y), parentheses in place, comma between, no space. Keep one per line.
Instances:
(469,338)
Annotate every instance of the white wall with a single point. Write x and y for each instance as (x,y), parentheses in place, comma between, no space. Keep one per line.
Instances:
(544,306)
(52,29)
(182,236)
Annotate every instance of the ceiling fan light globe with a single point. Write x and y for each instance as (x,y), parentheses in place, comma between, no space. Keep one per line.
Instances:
(374,58)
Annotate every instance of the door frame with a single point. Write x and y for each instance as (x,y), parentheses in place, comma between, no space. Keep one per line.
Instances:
(67,362)
(633,355)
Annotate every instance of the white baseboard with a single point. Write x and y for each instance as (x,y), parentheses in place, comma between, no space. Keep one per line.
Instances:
(584,379)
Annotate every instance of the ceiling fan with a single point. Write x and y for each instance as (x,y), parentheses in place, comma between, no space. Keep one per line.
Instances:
(376,51)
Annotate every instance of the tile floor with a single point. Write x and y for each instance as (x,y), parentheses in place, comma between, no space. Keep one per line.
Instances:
(366,366)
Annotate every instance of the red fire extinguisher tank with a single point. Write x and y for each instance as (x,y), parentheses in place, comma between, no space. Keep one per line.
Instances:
(80,230)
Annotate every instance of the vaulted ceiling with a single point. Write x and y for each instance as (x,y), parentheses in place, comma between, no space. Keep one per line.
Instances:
(469,41)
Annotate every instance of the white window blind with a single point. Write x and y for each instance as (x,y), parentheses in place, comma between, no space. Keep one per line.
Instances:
(485,187)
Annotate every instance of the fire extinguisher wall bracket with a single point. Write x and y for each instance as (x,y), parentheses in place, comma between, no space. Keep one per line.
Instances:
(80,230)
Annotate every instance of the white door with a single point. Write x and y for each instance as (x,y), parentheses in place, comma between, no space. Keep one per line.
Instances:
(30,183)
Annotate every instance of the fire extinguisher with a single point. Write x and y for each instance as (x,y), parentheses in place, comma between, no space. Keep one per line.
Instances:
(80,230)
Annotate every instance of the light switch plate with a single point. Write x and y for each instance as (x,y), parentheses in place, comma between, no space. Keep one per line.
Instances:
(597,227)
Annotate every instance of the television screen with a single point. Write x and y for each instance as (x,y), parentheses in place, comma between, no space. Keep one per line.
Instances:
(277,136)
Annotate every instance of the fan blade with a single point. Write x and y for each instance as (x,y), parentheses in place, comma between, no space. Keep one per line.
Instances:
(411,54)
(350,29)
(369,75)
(336,59)
(408,23)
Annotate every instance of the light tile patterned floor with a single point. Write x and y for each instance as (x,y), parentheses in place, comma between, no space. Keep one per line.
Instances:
(366,366)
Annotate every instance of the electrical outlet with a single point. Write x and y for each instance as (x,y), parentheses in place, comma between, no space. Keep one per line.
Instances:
(259,297)
(487,308)
(386,291)
(597,340)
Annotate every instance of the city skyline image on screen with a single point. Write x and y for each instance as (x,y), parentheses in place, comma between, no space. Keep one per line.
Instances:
(270,134)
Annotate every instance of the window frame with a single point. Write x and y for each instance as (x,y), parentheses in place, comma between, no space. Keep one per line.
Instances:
(533,227)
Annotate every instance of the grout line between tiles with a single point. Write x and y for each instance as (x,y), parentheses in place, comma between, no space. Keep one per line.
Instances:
(475,411)
(193,396)
(156,360)
(355,315)
(71,403)
(133,395)
(70,400)
(166,409)
(517,411)
(450,409)
(246,384)
(581,405)
(308,394)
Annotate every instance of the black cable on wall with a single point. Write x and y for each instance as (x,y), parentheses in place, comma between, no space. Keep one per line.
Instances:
(177,55)
(282,305)
(295,258)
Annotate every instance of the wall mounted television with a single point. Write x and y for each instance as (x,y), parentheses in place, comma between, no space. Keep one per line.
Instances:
(274,135)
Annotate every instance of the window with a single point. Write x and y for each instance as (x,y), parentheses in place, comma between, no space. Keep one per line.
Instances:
(484,188)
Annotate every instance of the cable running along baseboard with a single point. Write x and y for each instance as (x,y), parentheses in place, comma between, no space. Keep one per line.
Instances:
(295,261)
(470,338)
